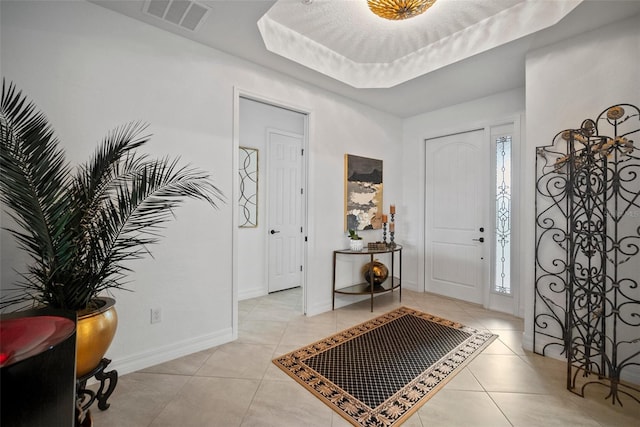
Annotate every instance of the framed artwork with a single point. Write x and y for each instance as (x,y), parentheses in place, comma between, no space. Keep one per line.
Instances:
(363,193)
(248,200)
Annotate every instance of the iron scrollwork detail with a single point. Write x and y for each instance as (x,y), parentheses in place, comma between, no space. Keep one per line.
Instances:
(587,298)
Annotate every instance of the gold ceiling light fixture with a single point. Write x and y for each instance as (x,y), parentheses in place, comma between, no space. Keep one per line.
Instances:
(397,10)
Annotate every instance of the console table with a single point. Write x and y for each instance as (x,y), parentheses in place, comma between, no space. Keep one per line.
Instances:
(364,288)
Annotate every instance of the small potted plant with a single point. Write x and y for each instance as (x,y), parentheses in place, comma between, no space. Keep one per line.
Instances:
(355,241)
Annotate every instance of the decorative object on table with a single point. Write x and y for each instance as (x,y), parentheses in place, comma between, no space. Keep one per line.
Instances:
(381,371)
(363,193)
(392,226)
(82,228)
(376,246)
(248,176)
(375,273)
(355,241)
(587,304)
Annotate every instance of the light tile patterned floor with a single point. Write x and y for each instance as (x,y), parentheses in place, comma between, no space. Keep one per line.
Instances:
(237,385)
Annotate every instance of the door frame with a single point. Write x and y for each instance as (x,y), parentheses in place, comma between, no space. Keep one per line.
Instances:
(489,299)
(307,112)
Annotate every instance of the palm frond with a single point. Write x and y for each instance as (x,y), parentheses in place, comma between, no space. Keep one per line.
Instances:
(107,163)
(131,221)
(34,178)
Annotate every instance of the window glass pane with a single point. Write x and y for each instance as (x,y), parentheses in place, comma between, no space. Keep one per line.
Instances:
(502,282)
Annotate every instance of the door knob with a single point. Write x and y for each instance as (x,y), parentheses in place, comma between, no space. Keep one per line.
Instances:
(274,231)
(479,240)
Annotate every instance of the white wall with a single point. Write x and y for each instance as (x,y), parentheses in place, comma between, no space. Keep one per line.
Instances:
(255,118)
(90,69)
(567,83)
(480,113)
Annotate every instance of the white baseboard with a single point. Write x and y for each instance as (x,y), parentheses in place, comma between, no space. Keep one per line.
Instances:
(631,374)
(411,286)
(527,341)
(251,293)
(313,310)
(169,352)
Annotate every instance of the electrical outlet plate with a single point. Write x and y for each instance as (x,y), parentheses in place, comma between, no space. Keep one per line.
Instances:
(156,315)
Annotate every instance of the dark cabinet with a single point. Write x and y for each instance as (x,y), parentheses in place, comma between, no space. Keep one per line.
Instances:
(37,368)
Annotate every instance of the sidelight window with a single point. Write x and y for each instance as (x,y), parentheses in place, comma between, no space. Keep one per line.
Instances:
(502,276)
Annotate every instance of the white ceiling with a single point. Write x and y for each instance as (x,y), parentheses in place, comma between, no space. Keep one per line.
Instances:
(488,59)
(345,40)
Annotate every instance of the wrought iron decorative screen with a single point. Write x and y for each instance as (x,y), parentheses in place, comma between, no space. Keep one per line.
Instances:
(587,294)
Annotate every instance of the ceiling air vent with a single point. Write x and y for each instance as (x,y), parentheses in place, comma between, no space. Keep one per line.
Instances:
(184,13)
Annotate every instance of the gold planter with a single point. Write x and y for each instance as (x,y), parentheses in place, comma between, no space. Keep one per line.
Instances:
(95,332)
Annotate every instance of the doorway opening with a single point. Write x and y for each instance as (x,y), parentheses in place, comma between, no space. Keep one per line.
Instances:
(270,254)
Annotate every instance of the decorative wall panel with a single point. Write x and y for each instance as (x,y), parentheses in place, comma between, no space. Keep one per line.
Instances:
(587,295)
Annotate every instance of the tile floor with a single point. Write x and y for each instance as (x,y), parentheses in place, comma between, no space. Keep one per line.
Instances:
(236,384)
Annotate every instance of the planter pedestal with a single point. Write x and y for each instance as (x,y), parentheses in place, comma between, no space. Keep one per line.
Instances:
(109,379)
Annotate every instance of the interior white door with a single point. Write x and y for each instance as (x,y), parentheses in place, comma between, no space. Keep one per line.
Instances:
(457,206)
(285,209)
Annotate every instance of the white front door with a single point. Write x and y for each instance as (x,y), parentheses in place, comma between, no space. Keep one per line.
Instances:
(457,206)
(285,209)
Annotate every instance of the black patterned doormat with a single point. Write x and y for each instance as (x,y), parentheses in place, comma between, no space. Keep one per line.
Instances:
(381,371)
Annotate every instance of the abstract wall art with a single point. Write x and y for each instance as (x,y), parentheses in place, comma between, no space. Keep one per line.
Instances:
(363,193)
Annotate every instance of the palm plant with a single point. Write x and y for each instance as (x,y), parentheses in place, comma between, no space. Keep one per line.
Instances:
(81,227)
